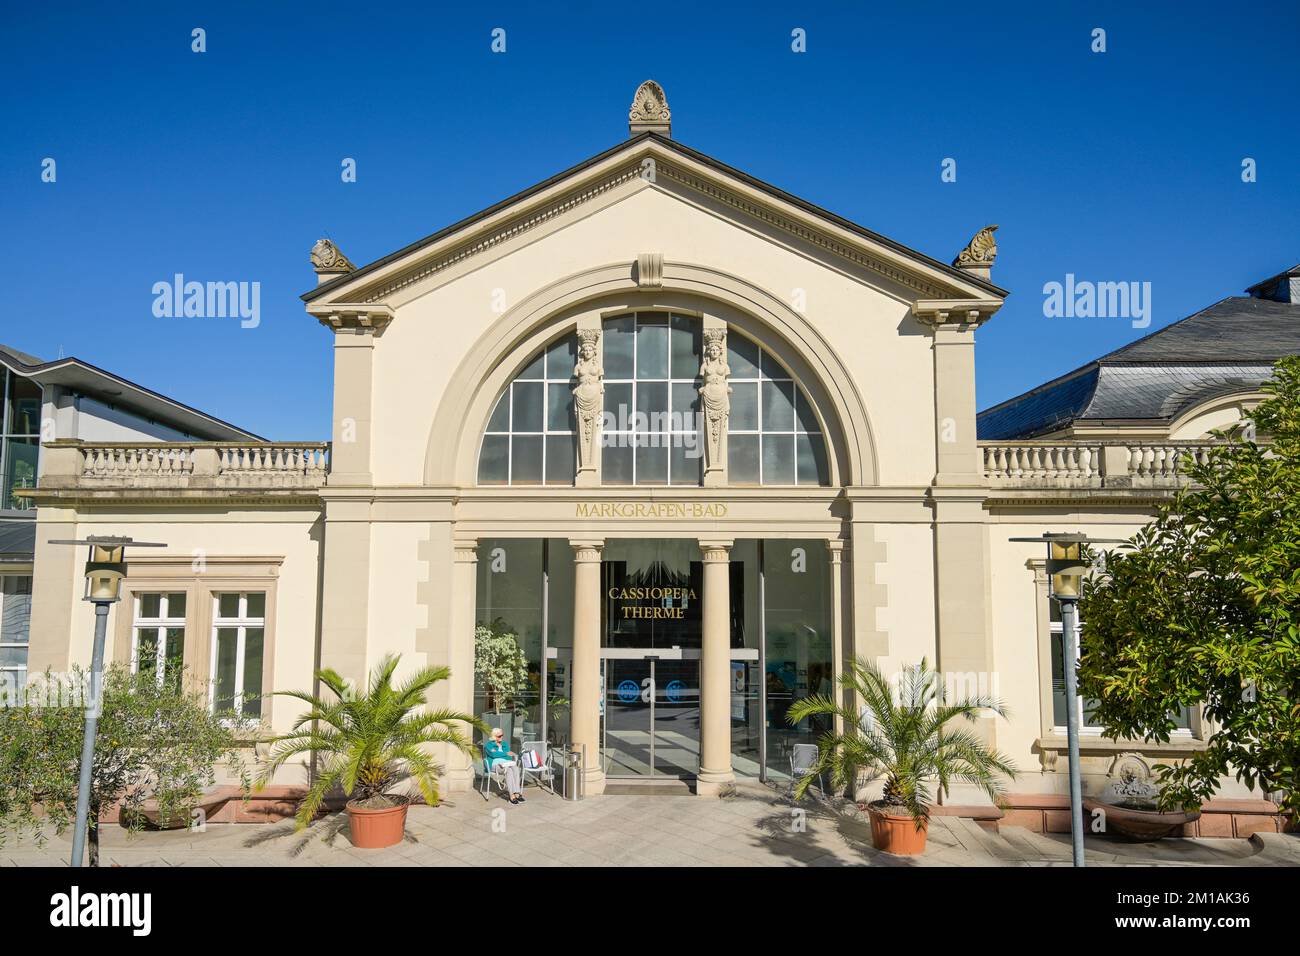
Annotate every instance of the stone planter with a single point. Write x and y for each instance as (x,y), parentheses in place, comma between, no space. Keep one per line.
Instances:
(1140,824)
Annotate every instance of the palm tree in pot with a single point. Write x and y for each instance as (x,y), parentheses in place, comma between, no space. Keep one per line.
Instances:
(367,744)
(904,735)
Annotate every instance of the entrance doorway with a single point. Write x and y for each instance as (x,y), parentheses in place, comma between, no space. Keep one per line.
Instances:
(652,630)
(652,712)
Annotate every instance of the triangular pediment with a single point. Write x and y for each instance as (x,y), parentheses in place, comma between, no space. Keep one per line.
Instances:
(647,160)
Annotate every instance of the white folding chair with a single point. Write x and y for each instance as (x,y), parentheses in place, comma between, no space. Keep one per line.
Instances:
(803,758)
(542,772)
(497,773)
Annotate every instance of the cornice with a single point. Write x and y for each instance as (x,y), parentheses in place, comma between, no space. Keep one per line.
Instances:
(504,233)
(816,237)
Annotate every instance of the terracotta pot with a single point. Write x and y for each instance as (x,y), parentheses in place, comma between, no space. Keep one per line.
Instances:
(1141,825)
(376,829)
(897,833)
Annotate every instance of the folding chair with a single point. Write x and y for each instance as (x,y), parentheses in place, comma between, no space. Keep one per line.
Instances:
(489,775)
(542,772)
(803,757)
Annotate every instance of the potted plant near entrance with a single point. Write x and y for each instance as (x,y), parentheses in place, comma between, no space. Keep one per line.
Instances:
(903,735)
(367,744)
(502,669)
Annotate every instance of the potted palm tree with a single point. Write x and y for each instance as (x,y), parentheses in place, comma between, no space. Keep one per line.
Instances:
(367,744)
(902,734)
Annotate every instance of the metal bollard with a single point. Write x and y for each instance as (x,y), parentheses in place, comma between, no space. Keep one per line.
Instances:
(575,771)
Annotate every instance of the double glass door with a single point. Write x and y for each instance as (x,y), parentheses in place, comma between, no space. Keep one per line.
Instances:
(651,711)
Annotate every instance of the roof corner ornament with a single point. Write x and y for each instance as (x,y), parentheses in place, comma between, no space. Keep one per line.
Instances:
(329,262)
(977,258)
(649,112)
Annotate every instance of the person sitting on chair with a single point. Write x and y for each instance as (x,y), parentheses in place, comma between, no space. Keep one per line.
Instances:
(498,755)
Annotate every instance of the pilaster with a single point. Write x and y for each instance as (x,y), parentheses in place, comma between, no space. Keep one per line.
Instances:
(715,775)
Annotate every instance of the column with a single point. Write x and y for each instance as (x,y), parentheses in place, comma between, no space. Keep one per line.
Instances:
(460,655)
(345,588)
(584,719)
(963,648)
(841,649)
(957,457)
(354,358)
(715,776)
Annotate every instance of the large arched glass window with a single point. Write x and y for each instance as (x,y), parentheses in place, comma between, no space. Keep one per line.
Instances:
(529,439)
(651,433)
(774,436)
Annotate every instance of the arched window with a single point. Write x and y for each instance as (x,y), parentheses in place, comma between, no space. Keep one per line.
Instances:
(529,438)
(774,436)
(651,434)
(651,428)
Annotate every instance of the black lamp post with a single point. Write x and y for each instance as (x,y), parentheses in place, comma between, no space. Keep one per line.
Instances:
(1065,569)
(105,569)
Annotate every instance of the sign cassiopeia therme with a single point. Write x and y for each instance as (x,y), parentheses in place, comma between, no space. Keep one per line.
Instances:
(664,603)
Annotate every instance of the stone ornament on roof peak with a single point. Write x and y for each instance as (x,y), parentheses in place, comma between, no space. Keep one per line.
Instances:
(328,258)
(649,111)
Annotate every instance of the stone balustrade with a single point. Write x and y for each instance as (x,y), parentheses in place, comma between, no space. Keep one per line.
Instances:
(182,465)
(1084,465)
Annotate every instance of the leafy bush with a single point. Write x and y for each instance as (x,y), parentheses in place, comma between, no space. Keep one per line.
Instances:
(155,741)
(1203,610)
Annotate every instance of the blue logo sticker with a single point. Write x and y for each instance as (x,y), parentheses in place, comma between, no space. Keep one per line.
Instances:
(628,691)
(674,690)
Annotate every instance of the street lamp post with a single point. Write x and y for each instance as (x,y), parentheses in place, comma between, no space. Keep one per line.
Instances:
(105,569)
(1065,570)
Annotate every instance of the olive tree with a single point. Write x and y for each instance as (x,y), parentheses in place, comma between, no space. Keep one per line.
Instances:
(1203,610)
(156,741)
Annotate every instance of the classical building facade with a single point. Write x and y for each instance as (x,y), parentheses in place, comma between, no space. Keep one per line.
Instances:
(694,442)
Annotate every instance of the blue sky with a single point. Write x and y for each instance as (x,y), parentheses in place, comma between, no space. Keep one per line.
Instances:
(1118,166)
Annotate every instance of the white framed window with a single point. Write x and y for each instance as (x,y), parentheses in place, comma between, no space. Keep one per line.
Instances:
(15,629)
(652,434)
(774,436)
(158,633)
(1060,704)
(530,436)
(238,647)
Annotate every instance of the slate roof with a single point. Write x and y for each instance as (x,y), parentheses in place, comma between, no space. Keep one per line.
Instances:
(1229,347)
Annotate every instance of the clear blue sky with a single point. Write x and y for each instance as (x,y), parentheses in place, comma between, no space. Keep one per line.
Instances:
(225,165)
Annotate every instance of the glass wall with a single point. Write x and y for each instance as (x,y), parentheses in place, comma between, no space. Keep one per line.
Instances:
(15,631)
(21,438)
(799,656)
(746,669)
(523,585)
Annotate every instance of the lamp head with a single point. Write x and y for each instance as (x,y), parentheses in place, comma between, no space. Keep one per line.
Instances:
(1066,567)
(105,569)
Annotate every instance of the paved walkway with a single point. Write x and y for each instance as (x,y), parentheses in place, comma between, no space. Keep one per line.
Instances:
(754,827)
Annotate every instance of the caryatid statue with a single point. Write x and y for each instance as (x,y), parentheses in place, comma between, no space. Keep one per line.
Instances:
(715,396)
(588,396)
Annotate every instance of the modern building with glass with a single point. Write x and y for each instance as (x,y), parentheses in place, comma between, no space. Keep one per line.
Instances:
(694,442)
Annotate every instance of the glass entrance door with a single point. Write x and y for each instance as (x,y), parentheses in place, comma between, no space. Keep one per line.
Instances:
(652,712)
